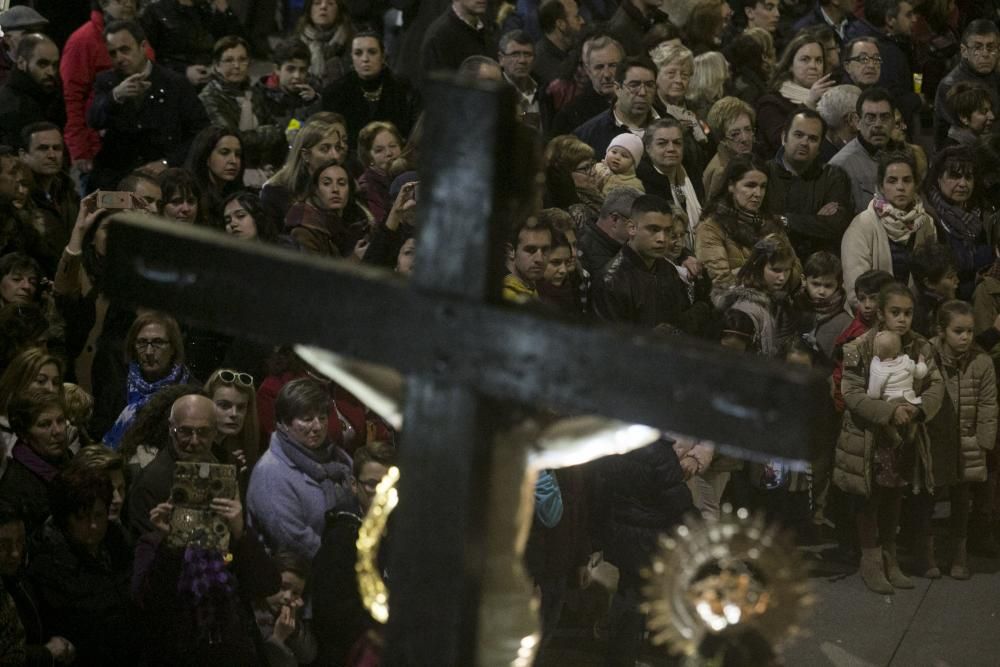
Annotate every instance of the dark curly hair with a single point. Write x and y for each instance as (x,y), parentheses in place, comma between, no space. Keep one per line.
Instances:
(74,490)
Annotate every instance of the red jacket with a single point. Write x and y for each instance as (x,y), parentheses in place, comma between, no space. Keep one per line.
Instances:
(83,58)
(854,330)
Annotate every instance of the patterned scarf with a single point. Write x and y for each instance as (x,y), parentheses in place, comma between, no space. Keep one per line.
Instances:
(318,40)
(899,225)
(138,392)
(687,118)
(740,225)
(966,225)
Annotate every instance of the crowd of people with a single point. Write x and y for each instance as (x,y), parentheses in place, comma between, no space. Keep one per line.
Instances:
(809,183)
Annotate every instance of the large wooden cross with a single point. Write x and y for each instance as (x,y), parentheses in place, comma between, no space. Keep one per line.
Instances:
(466,356)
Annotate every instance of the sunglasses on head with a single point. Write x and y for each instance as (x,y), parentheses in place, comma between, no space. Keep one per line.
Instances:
(234,377)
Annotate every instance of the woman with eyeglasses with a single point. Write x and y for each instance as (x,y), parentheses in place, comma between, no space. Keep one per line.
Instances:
(237,436)
(732,122)
(154,352)
(234,104)
(570,177)
(798,80)
(302,475)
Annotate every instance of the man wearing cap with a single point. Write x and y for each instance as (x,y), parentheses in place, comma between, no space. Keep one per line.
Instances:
(17,22)
(389,236)
(32,92)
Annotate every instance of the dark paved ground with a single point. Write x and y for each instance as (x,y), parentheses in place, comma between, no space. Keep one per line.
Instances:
(942,623)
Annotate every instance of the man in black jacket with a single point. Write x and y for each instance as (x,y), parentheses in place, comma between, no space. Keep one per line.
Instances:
(814,197)
(640,286)
(32,92)
(183,33)
(461,31)
(600,240)
(601,56)
(148,113)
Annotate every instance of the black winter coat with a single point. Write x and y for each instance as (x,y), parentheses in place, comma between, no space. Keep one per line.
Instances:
(183,36)
(160,126)
(398,103)
(23,102)
(798,198)
(639,495)
(630,292)
(85,598)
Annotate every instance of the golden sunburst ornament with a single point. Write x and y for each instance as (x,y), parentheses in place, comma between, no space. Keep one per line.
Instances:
(712,580)
(374,594)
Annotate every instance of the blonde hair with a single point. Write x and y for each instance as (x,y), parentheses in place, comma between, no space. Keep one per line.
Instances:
(567,151)
(79,404)
(725,112)
(708,80)
(294,174)
(670,53)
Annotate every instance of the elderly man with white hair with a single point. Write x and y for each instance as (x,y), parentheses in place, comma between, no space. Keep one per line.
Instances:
(838,107)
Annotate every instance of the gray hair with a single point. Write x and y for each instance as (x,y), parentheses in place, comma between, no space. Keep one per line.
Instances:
(837,103)
(619,200)
(598,43)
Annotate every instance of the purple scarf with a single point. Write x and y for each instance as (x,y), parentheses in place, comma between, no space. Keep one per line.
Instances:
(30,459)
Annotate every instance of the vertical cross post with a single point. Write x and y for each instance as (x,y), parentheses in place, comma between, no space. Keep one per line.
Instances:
(437,553)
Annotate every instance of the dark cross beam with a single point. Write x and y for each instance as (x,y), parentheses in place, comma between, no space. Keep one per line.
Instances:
(466,357)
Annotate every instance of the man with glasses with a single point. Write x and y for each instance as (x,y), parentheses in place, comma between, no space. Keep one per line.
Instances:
(889,23)
(980,43)
(814,197)
(635,88)
(191,429)
(862,62)
(517,56)
(858,158)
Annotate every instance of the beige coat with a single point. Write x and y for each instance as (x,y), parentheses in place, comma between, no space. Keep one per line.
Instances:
(854,457)
(865,246)
(972,389)
(723,257)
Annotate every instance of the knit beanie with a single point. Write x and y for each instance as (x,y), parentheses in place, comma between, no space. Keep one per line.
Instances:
(631,143)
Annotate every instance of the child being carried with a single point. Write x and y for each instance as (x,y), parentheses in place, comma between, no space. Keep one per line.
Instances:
(891,379)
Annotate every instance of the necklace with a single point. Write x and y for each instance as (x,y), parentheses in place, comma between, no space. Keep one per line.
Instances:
(374,95)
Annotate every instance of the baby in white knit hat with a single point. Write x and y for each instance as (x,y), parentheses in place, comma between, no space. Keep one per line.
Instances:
(617,169)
